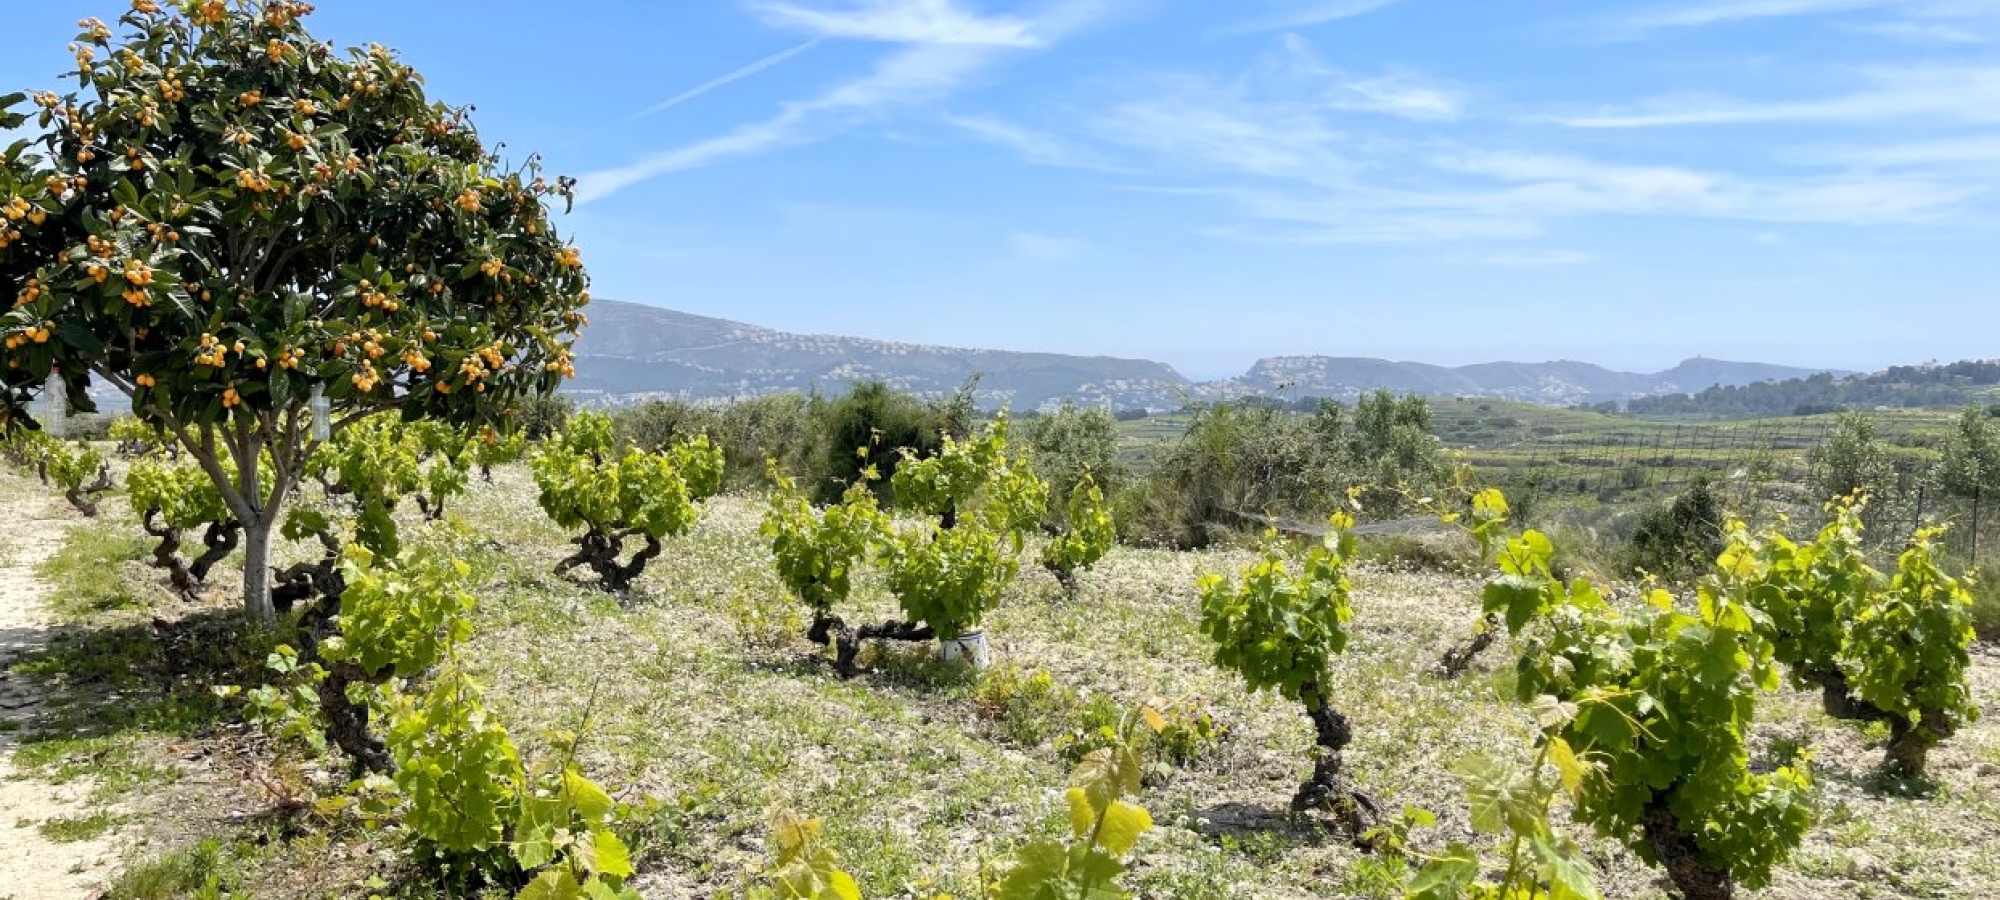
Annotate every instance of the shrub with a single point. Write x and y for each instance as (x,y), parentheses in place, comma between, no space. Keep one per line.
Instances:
(1072,444)
(1986,604)
(750,433)
(1678,539)
(1850,460)
(879,420)
(1234,460)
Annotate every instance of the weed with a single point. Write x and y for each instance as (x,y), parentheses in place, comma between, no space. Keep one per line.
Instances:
(88,571)
(70,829)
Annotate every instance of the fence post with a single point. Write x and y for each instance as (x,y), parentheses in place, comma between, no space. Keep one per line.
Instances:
(1975,526)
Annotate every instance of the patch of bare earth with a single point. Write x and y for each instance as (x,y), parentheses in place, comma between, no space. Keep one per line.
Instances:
(33,867)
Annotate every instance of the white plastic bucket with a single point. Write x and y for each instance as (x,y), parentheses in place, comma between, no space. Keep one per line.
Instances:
(969,647)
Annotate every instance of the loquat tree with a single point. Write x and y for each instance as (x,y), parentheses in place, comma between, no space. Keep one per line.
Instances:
(229,214)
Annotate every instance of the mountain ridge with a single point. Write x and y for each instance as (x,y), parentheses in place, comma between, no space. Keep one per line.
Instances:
(635,351)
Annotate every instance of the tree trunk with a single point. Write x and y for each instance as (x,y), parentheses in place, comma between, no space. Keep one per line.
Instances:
(257,570)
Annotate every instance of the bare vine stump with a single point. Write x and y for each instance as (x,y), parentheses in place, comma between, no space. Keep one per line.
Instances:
(168,554)
(846,639)
(1459,657)
(217,541)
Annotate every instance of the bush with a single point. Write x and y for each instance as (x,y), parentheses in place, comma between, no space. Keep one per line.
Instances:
(1678,539)
(1986,604)
(1850,459)
(1235,459)
(657,424)
(541,417)
(880,420)
(750,432)
(1070,443)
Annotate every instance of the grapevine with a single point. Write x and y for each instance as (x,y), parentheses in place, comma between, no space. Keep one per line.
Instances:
(585,484)
(443,765)
(1891,648)
(1661,704)
(947,572)
(818,551)
(172,498)
(1279,630)
(80,473)
(1085,537)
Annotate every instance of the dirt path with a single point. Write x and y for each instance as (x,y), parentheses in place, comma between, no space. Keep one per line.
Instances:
(32,867)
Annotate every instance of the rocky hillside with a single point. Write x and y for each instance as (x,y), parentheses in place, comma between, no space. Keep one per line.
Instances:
(1562,382)
(633,352)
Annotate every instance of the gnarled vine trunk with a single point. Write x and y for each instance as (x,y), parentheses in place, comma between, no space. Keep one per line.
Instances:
(1459,657)
(1910,743)
(1908,750)
(1680,854)
(218,540)
(846,639)
(84,496)
(1064,577)
(600,551)
(1328,789)
(168,554)
(347,722)
(1839,701)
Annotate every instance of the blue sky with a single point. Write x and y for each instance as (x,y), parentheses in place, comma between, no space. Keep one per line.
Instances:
(1206,182)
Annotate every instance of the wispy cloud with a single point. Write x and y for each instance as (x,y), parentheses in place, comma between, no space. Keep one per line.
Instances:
(1043,247)
(1696,15)
(903,22)
(942,47)
(721,81)
(1282,14)
(1919,32)
(1194,125)
(1038,147)
(1549,186)
(1402,94)
(1965,93)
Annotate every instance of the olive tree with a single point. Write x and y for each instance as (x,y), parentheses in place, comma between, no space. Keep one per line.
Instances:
(228,215)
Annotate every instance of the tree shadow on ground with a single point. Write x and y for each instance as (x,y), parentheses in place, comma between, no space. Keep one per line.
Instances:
(158,676)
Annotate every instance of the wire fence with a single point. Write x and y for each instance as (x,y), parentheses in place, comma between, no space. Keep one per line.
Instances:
(1761,470)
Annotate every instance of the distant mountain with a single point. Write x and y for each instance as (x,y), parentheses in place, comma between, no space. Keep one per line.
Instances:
(1562,382)
(633,352)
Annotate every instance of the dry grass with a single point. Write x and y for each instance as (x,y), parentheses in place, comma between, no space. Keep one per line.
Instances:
(707,697)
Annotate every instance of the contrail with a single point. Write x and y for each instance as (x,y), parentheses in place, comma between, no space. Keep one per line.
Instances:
(720,81)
